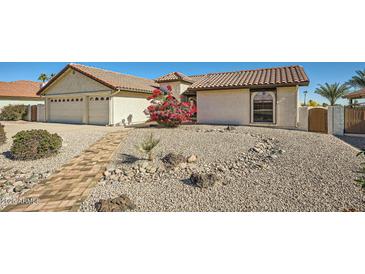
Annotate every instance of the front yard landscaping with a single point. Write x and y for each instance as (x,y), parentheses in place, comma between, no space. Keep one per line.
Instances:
(17,177)
(219,168)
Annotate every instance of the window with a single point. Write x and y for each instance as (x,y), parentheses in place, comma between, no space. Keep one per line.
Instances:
(107,98)
(96,99)
(263,107)
(77,99)
(72,100)
(102,98)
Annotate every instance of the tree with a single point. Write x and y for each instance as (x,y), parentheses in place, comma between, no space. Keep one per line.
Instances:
(312,103)
(332,92)
(358,81)
(43,77)
(305,97)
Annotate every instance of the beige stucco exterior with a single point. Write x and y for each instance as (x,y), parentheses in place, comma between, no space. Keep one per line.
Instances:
(177,87)
(234,106)
(224,106)
(287,107)
(128,108)
(26,101)
(96,103)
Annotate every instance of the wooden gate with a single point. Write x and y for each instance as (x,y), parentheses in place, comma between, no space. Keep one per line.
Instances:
(317,120)
(33,113)
(354,120)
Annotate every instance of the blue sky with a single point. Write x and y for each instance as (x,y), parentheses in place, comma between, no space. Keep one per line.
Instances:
(317,72)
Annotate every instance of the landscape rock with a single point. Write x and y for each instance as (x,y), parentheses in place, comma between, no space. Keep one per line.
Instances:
(204,180)
(119,204)
(172,160)
(192,159)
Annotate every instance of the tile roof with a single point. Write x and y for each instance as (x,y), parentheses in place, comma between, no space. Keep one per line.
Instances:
(356,94)
(174,76)
(268,77)
(21,88)
(111,79)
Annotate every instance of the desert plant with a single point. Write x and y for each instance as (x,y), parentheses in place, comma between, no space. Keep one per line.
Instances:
(166,110)
(43,77)
(35,144)
(361,178)
(312,103)
(13,112)
(358,81)
(148,145)
(332,92)
(2,135)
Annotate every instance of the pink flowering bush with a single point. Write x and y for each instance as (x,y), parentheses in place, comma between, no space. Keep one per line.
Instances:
(166,110)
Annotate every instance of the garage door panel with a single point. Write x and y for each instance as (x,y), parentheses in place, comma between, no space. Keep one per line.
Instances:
(63,111)
(99,111)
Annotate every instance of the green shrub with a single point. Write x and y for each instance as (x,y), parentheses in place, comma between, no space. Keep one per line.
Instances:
(2,135)
(13,112)
(35,144)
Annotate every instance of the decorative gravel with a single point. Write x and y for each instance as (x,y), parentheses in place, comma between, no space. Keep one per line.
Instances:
(296,171)
(76,138)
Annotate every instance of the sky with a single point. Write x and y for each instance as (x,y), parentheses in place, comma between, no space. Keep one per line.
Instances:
(318,72)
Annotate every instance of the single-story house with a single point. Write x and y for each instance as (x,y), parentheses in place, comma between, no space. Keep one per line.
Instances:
(356,95)
(19,93)
(267,96)
(88,95)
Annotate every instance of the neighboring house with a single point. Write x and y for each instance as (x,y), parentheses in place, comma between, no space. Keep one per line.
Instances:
(19,93)
(82,94)
(87,95)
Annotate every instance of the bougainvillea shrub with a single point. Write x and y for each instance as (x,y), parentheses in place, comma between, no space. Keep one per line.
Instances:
(166,110)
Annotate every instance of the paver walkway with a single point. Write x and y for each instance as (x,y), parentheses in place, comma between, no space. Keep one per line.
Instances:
(68,186)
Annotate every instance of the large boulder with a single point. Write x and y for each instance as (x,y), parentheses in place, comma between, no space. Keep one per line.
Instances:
(119,204)
(204,180)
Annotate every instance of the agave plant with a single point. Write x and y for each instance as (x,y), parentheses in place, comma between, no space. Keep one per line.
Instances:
(358,81)
(332,92)
(147,146)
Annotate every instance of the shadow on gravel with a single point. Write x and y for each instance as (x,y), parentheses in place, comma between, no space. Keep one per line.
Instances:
(188,182)
(355,141)
(128,159)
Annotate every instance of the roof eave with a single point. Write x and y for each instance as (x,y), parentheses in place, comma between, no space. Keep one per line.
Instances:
(306,83)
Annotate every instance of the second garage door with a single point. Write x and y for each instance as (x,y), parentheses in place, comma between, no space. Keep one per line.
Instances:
(66,110)
(99,110)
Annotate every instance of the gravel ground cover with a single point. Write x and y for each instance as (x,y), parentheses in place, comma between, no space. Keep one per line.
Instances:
(259,169)
(16,177)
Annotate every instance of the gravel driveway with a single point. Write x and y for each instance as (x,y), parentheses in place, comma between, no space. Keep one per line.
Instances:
(76,138)
(297,171)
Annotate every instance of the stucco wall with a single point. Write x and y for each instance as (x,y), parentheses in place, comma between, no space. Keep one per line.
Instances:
(303,118)
(74,82)
(224,106)
(287,107)
(336,120)
(177,87)
(127,108)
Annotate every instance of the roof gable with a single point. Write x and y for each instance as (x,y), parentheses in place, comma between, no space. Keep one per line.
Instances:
(174,76)
(110,79)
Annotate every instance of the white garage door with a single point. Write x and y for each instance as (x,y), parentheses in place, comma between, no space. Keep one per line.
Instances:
(99,110)
(66,110)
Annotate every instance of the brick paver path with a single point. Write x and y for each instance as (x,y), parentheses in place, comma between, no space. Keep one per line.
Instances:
(68,186)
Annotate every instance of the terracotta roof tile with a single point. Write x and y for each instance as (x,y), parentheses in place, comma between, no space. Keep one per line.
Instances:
(174,76)
(268,77)
(356,94)
(21,88)
(111,79)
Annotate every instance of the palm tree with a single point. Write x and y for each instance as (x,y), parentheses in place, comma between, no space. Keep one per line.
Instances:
(358,81)
(43,77)
(52,75)
(305,97)
(332,92)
